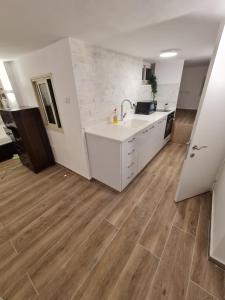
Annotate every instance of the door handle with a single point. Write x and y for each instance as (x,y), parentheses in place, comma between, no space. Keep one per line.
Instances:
(195,147)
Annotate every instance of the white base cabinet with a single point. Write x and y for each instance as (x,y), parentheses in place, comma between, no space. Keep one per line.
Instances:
(117,163)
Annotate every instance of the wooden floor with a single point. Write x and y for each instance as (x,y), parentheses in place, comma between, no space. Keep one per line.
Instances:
(63,237)
(183,125)
(185,116)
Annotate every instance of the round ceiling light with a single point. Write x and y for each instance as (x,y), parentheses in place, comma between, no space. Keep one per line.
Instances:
(168,53)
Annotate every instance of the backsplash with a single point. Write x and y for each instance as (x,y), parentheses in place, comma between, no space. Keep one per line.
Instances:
(103,79)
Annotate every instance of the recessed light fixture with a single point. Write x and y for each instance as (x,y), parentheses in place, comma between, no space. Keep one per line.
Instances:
(168,53)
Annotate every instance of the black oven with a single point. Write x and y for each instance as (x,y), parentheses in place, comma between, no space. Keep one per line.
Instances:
(169,124)
(145,108)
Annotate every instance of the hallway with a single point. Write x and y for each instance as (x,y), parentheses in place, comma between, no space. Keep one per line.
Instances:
(183,125)
(63,237)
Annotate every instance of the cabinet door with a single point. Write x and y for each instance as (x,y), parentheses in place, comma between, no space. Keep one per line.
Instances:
(129,161)
(145,147)
(105,160)
(158,135)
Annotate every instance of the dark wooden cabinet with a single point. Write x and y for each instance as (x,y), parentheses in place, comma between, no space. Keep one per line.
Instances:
(27,131)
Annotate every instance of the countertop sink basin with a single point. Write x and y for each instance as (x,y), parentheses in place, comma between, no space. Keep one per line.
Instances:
(133,123)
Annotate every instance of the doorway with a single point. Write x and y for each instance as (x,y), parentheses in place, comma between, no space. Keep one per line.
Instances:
(192,83)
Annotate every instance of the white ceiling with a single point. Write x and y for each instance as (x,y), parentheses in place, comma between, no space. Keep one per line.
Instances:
(138,27)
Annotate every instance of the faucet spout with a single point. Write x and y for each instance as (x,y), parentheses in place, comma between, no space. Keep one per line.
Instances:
(122,103)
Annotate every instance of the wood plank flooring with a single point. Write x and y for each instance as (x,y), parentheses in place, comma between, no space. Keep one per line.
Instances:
(185,116)
(63,237)
(183,125)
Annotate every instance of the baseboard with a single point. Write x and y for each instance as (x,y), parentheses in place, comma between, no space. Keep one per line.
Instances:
(217,262)
(210,256)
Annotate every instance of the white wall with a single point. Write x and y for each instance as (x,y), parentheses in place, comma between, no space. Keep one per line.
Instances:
(68,147)
(9,67)
(191,86)
(217,245)
(103,79)
(95,81)
(168,73)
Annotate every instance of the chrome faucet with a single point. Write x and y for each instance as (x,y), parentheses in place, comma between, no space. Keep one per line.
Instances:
(124,114)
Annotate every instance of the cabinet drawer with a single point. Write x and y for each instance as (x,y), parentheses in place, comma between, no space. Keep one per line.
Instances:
(131,164)
(130,158)
(131,173)
(130,145)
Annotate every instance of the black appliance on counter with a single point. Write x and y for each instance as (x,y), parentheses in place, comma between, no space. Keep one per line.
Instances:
(169,124)
(26,129)
(145,108)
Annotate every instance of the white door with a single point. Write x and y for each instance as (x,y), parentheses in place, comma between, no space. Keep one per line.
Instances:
(207,145)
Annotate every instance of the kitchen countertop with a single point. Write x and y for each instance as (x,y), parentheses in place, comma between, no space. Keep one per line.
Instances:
(120,132)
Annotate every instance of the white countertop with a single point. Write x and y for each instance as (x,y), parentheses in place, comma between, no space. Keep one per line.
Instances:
(120,132)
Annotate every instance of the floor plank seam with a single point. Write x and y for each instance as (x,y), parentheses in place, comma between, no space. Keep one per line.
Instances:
(30,210)
(14,248)
(88,236)
(167,238)
(157,257)
(127,216)
(199,286)
(93,267)
(150,218)
(32,284)
(192,258)
(184,231)
(117,228)
(45,197)
(190,279)
(123,270)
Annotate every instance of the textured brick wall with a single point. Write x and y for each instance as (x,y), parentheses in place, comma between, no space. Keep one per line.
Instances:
(104,78)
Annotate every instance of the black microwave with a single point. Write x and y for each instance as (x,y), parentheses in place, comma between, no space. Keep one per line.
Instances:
(145,108)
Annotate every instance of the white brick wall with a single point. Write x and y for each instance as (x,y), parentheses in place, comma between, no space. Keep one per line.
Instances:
(168,93)
(103,79)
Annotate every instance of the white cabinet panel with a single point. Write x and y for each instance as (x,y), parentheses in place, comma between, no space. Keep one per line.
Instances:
(129,161)
(105,160)
(158,135)
(145,148)
(161,132)
(117,163)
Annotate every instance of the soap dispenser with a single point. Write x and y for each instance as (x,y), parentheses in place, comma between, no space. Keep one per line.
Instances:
(115,117)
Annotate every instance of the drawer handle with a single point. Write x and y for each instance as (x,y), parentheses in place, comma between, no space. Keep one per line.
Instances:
(131,165)
(129,153)
(132,140)
(131,175)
